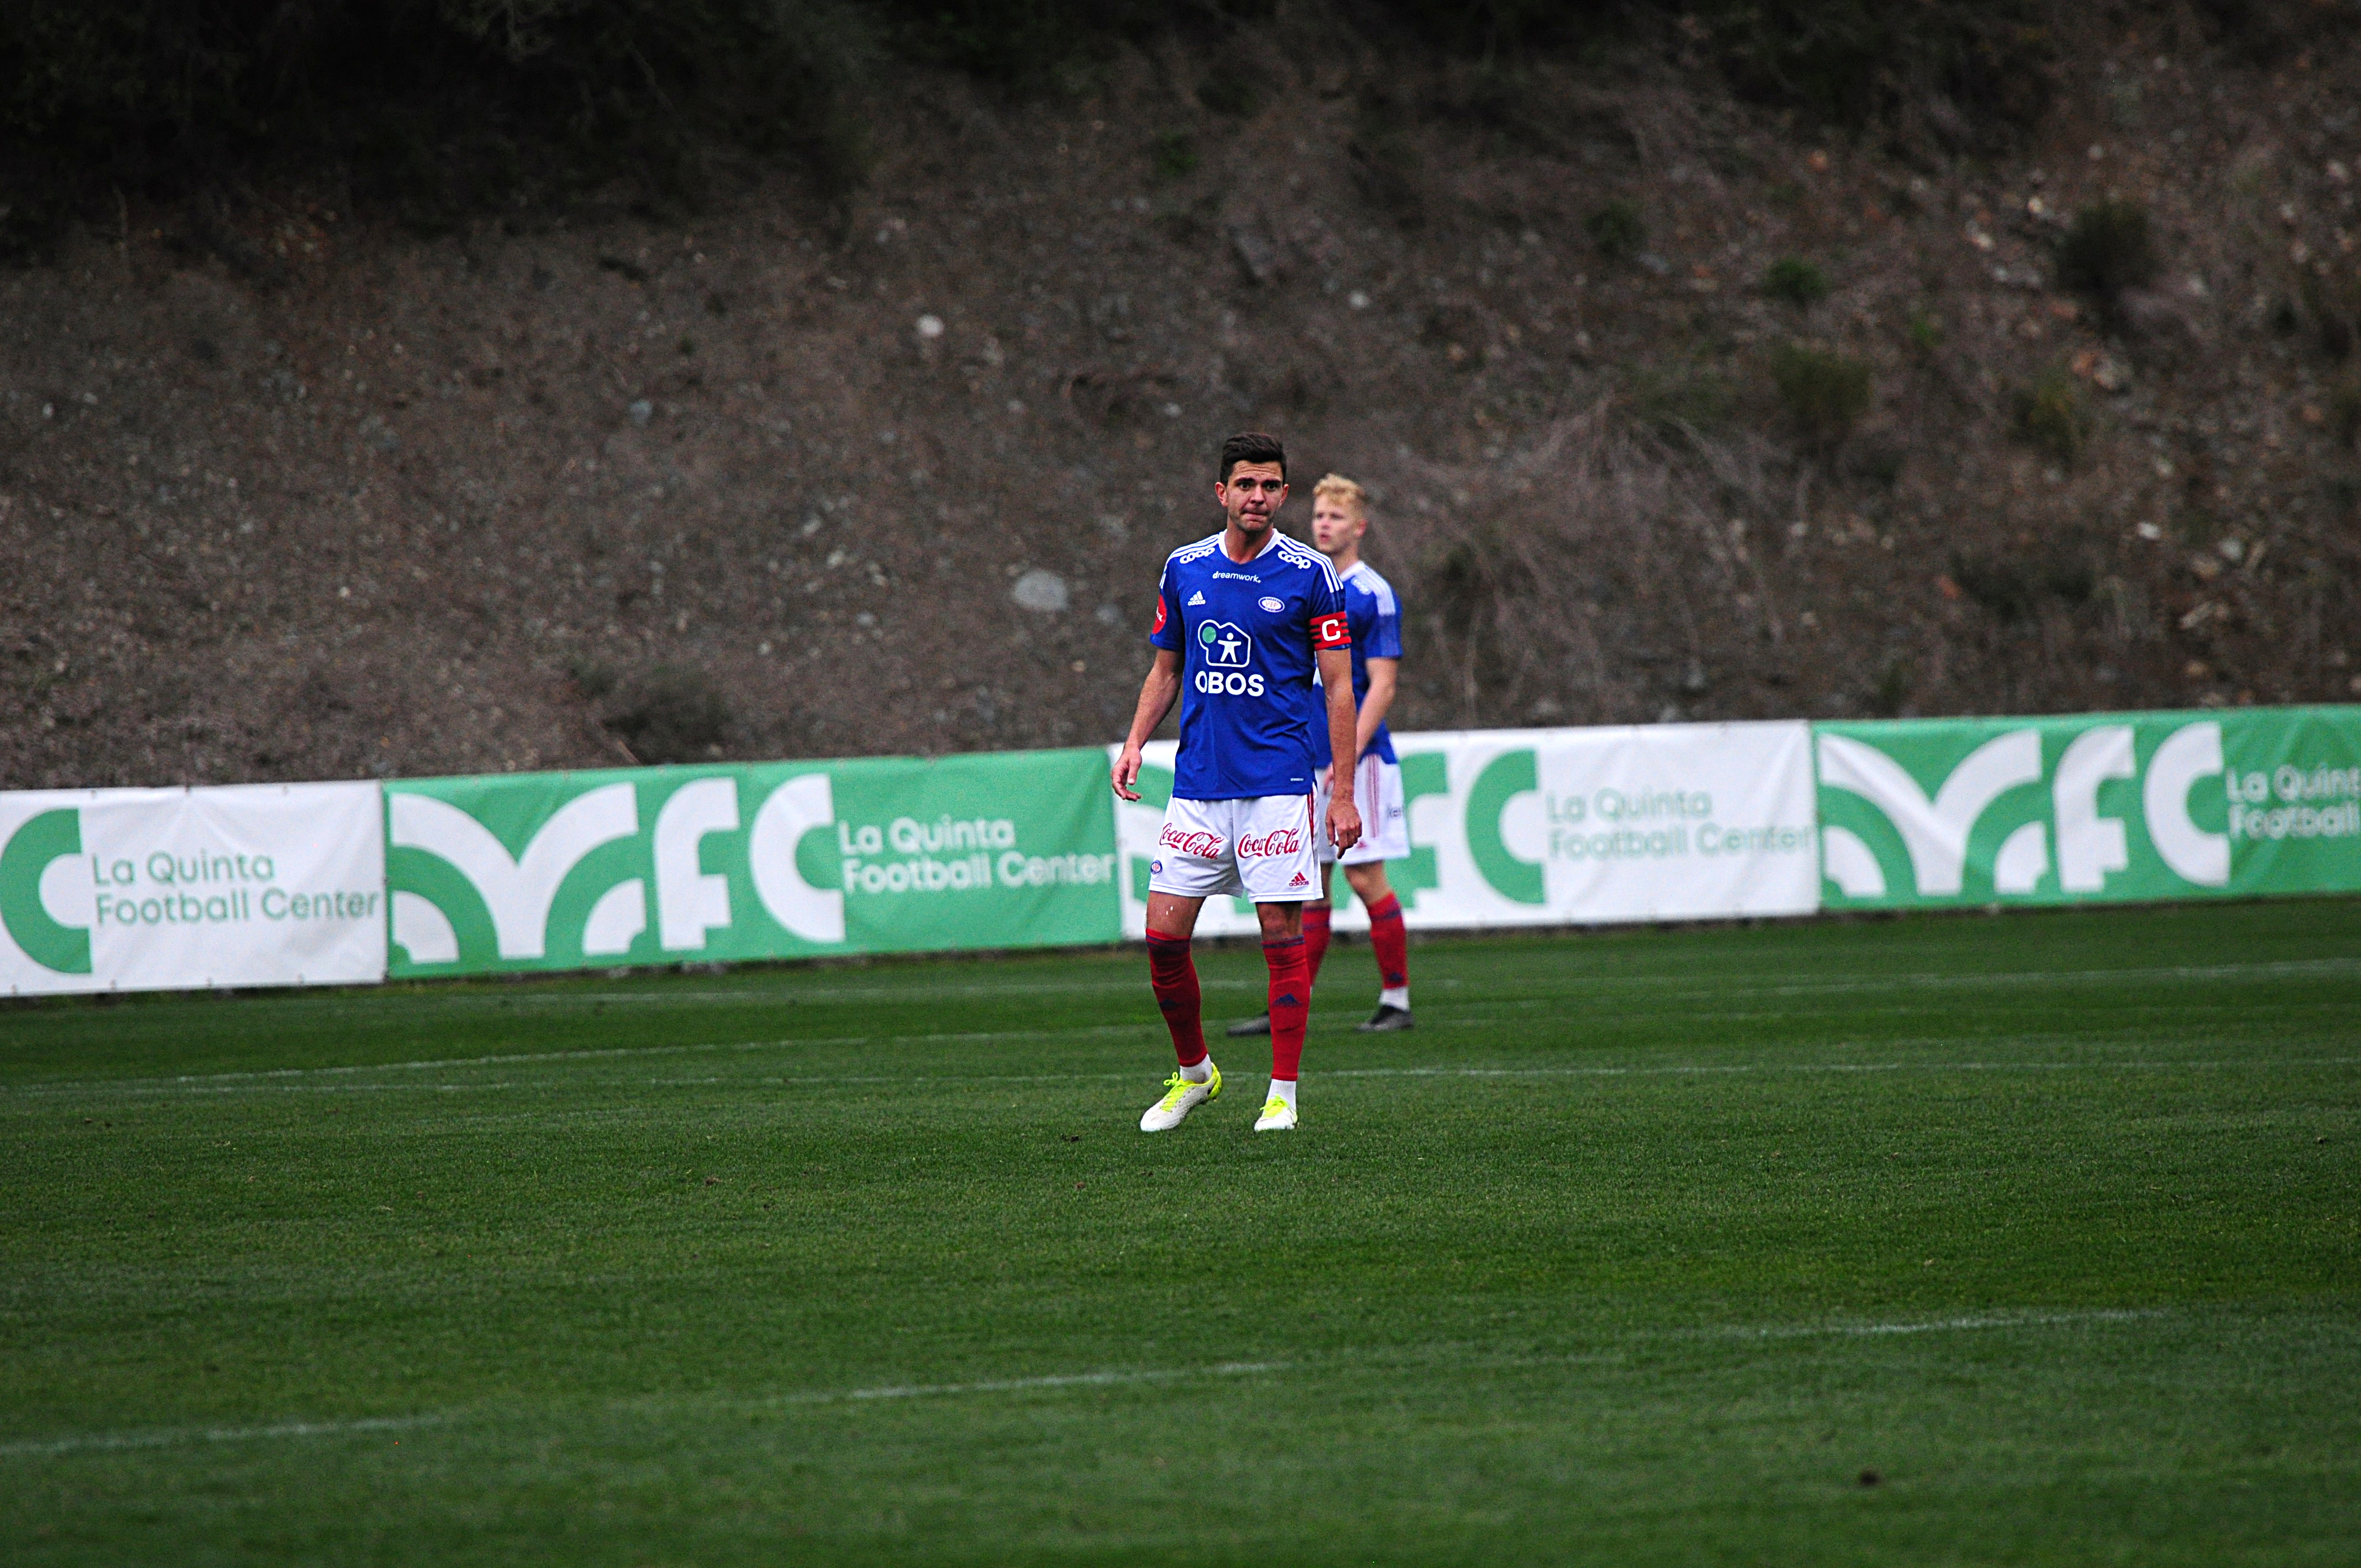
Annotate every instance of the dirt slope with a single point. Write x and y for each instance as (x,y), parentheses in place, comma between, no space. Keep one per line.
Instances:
(329,500)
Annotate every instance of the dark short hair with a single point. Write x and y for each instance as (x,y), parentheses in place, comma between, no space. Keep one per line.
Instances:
(1252,446)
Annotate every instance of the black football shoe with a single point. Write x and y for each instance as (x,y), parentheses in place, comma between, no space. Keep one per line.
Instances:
(1387,1020)
(1245,1026)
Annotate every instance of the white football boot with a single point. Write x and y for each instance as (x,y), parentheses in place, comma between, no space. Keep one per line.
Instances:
(1278,1116)
(1180,1097)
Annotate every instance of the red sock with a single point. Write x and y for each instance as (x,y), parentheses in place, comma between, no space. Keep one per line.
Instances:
(1174,976)
(1389,942)
(1315,942)
(1291,1000)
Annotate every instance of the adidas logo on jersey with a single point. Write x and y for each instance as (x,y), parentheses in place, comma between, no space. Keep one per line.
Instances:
(1197,598)
(1301,881)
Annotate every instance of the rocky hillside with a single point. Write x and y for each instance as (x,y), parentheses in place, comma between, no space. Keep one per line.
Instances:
(1674,407)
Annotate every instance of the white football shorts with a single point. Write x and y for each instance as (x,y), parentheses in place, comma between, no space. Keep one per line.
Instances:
(1385,824)
(1258,848)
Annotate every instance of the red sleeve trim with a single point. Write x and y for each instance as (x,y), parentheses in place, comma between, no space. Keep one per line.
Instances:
(1331,631)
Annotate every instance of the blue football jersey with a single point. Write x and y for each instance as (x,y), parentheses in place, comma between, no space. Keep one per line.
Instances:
(1248,633)
(1375,616)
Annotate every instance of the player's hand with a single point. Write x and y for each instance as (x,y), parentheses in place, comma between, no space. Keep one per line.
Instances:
(1344,825)
(1126,772)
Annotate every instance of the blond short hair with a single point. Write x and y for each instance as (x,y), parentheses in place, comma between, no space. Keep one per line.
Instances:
(1349,494)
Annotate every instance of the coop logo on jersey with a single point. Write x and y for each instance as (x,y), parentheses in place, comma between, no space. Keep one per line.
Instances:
(1228,652)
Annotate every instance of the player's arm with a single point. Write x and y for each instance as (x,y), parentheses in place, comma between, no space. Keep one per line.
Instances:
(1337,680)
(1156,694)
(1385,674)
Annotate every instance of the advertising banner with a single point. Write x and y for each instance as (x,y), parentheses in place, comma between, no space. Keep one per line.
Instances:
(1559,827)
(172,889)
(754,860)
(2090,809)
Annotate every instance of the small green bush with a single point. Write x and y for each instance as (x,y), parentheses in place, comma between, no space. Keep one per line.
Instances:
(2107,249)
(2050,416)
(1824,392)
(1618,229)
(1926,331)
(1231,93)
(1893,692)
(1795,281)
(2334,304)
(1174,155)
(1995,585)
(1673,402)
(591,678)
(2345,413)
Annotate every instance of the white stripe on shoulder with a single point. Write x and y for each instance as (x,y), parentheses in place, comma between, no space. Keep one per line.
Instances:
(1302,554)
(1379,589)
(1195,548)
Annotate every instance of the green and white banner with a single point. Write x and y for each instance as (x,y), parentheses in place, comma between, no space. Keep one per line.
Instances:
(737,862)
(1560,826)
(2090,809)
(293,884)
(174,889)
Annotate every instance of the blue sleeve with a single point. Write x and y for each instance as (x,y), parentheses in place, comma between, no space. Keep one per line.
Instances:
(1166,633)
(1385,631)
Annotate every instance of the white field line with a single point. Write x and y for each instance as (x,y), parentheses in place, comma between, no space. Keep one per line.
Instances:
(2126,1064)
(1938,1326)
(2283,968)
(182,1437)
(1752,984)
(276,1083)
(2266,970)
(186,1081)
(1016,1385)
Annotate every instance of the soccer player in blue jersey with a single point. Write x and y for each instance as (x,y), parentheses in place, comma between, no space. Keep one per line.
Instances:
(1339,517)
(1243,620)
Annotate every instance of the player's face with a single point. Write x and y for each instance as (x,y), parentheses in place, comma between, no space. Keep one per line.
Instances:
(1253,495)
(1335,526)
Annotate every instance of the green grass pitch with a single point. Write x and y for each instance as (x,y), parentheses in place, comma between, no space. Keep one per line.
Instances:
(1645,1247)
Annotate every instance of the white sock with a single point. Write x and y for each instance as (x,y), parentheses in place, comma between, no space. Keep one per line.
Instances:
(1395,997)
(1284,1089)
(1199,1074)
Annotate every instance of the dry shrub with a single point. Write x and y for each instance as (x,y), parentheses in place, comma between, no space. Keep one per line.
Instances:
(2108,248)
(1824,392)
(672,715)
(1795,281)
(2049,416)
(1601,575)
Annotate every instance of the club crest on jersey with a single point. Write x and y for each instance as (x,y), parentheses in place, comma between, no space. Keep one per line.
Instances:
(1228,652)
(1271,605)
